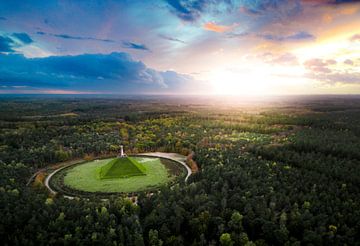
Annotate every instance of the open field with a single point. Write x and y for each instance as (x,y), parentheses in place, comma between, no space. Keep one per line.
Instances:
(86,177)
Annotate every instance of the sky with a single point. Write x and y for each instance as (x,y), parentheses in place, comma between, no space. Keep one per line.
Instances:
(216,47)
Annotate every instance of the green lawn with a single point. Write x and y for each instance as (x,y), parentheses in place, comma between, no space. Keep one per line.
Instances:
(86,177)
(123,167)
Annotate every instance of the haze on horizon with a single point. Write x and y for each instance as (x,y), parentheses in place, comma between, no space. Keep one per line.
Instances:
(221,47)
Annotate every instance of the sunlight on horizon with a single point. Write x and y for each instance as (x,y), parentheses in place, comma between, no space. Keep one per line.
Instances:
(225,82)
(261,80)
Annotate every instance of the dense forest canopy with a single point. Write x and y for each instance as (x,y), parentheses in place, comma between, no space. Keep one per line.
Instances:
(286,173)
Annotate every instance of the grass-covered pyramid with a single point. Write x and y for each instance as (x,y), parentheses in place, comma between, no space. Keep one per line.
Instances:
(122,167)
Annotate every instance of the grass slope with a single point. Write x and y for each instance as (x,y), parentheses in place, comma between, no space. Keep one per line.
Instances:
(86,177)
(122,168)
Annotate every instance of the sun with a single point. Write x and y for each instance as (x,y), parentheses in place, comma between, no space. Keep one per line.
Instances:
(258,79)
(232,82)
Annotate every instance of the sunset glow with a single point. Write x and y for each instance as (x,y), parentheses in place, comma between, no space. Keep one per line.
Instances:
(180,122)
(182,47)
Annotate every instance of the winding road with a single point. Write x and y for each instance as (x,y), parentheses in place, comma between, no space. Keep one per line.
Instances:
(47,180)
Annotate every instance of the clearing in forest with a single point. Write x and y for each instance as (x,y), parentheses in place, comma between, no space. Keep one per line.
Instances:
(86,176)
(122,167)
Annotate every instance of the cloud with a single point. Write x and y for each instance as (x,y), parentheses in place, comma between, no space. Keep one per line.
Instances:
(125,44)
(337,78)
(66,36)
(348,62)
(175,80)
(343,1)
(191,11)
(330,72)
(188,10)
(259,7)
(171,38)
(23,37)
(6,44)
(237,35)
(298,36)
(329,2)
(131,45)
(211,26)
(319,65)
(115,73)
(248,11)
(293,37)
(274,9)
(286,59)
(14,86)
(355,38)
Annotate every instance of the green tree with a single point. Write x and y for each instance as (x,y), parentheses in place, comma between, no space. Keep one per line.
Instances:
(154,238)
(225,239)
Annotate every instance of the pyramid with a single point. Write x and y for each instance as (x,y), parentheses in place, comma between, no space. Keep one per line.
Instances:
(122,167)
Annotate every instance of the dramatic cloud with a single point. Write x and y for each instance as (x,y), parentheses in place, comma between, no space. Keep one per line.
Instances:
(115,72)
(188,10)
(198,37)
(135,46)
(23,37)
(171,38)
(15,40)
(211,26)
(66,36)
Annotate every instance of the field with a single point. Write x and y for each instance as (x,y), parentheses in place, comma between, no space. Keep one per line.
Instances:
(85,177)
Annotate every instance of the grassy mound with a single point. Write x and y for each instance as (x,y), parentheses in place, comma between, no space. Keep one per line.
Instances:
(122,167)
(85,177)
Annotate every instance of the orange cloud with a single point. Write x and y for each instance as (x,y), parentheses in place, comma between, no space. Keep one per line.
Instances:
(211,26)
(344,10)
(349,10)
(327,18)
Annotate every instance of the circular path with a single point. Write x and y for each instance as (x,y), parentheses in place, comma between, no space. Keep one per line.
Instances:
(171,156)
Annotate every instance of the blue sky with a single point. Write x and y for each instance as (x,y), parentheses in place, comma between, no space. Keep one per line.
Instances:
(179,47)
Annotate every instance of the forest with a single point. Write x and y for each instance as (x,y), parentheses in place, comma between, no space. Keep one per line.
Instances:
(279,173)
